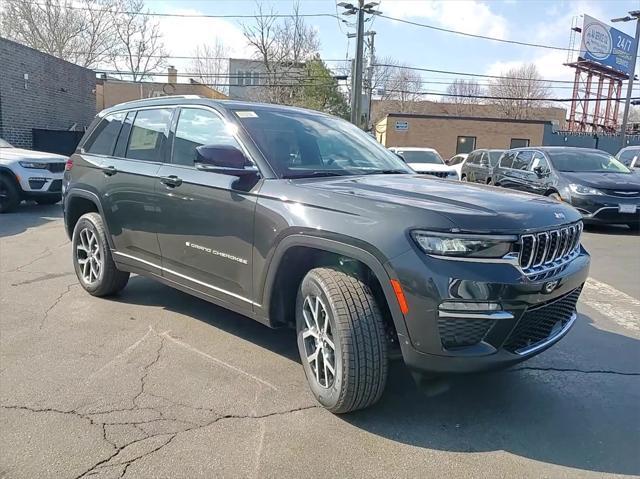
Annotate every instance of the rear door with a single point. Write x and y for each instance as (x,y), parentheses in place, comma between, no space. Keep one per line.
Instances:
(538,173)
(468,168)
(206,234)
(519,174)
(129,198)
(483,168)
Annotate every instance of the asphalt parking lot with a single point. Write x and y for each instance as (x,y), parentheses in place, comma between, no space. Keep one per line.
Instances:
(156,383)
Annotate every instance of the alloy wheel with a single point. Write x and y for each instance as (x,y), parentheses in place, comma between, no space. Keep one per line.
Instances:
(317,336)
(89,256)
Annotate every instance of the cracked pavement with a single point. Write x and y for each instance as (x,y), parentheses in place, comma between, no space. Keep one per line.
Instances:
(156,383)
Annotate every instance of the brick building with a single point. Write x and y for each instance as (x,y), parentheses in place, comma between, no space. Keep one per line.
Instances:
(40,91)
(450,135)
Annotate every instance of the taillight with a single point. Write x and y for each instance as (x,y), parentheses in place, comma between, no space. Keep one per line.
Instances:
(68,165)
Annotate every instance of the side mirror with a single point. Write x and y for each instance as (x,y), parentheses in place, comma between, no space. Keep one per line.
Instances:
(399,156)
(540,171)
(223,159)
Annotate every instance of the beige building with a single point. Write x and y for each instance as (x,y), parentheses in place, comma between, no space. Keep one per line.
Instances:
(450,135)
(110,91)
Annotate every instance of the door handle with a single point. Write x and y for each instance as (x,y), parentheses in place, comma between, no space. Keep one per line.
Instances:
(109,170)
(171,181)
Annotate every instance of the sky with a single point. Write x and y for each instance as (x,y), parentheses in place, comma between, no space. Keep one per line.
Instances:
(545,22)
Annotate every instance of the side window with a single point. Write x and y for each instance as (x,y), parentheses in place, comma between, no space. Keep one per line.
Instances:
(539,161)
(507,160)
(471,159)
(484,159)
(198,127)
(522,160)
(103,139)
(148,134)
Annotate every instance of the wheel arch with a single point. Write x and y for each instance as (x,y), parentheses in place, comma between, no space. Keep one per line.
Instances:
(4,171)
(77,202)
(297,254)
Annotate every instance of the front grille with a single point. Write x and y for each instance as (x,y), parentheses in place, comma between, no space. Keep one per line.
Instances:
(459,332)
(56,167)
(548,250)
(621,193)
(541,323)
(56,185)
(439,174)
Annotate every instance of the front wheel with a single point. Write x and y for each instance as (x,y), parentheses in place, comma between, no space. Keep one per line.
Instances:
(555,196)
(341,340)
(9,195)
(92,258)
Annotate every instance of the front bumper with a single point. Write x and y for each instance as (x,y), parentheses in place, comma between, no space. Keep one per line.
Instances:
(607,209)
(528,321)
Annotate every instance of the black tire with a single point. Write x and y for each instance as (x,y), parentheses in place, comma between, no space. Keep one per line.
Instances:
(9,194)
(109,279)
(463,178)
(489,181)
(49,200)
(357,331)
(555,196)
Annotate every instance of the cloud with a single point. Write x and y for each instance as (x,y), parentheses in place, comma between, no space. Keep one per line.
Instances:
(468,16)
(181,35)
(550,65)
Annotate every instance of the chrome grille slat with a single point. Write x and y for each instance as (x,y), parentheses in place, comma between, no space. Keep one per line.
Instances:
(542,253)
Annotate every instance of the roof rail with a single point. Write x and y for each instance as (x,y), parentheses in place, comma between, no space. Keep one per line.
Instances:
(155,98)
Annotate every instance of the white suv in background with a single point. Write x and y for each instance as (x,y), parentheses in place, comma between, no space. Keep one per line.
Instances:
(426,161)
(29,175)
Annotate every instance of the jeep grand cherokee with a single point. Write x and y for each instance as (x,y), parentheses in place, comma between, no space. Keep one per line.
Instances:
(295,218)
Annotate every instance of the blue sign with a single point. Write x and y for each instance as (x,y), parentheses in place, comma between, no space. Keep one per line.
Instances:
(606,46)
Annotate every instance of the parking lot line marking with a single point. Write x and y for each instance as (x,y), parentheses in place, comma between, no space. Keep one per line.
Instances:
(619,307)
(218,361)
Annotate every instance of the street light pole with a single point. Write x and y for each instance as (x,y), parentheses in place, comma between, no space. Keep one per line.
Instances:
(635,15)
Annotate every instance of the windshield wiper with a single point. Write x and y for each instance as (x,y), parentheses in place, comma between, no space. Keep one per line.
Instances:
(313,174)
(387,172)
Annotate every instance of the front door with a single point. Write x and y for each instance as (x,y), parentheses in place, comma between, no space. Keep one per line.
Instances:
(539,175)
(206,236)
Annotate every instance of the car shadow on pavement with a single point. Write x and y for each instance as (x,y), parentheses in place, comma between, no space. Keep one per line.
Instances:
(617,230)
(571,418)
(28,215)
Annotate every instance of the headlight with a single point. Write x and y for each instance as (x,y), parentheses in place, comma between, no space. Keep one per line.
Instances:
(33,164)
(473,246)
(584,190)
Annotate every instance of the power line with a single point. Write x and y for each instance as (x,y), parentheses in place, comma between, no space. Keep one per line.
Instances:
(473,35)
(486,97)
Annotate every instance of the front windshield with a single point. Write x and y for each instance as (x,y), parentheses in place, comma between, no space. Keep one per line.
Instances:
(301,144)
(591,161)
(5,144)
(494,156)
(420,156)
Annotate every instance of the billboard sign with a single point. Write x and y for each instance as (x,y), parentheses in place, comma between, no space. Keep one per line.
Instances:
(606,46)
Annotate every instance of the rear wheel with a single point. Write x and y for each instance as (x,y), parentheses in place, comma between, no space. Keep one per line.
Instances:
(92,258)
(9,194)
(341,340)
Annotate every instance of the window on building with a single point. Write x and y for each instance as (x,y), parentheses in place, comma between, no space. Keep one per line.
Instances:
(519,143)
(522,160)
(148,134)
(198,127)
(103,139)
(465,144)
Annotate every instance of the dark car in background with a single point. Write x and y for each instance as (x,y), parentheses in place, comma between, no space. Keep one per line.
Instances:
(479,166)
(630,157)
(600,187)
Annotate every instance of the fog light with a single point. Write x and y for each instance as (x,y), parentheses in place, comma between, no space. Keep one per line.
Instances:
(468,306)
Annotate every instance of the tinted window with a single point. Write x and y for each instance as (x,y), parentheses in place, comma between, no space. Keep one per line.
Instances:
(507,160)
(473,158)
(465,144)
(583,160)
(300,144)
(522,160)
(539,161)
(519,143)
(494,156)
(417,156)
(456,160)
(103,138)
(198,127)
(148,134)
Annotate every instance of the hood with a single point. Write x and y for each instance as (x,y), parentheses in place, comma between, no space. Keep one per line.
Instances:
(469,207)
(421,167)
(12,154)
(608,181)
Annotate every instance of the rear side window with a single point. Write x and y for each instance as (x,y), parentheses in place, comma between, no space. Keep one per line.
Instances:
(148,134)
(507,160)
(198,127)
(522,160)
(103,138)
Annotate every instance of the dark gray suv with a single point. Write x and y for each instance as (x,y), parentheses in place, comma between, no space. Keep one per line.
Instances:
(298,219)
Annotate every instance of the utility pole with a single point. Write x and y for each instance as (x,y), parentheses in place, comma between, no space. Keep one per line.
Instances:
(634,15)
(369,80)
(356,89)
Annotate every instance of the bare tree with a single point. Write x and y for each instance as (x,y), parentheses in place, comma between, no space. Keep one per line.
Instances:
(404,87)
(210,65)
(141,50)
(519,91)
(81,32)
(464,94)
(282,47)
